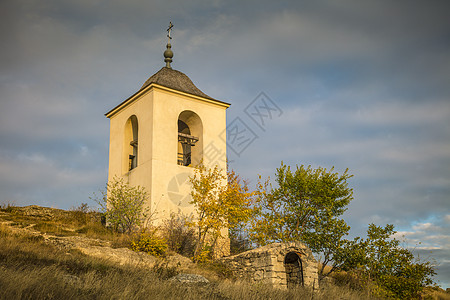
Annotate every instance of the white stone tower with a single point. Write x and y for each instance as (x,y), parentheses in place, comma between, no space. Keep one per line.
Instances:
(158,134)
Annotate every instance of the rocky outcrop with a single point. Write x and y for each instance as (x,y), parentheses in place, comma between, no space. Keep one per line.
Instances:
(43,213)
(92,247)
(190,279)
(49,213)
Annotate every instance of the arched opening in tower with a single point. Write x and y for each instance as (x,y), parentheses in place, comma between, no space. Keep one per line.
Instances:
(190,134)
(130,144)
(185,142)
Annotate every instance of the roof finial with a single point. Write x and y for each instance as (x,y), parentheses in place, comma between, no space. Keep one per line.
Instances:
(168,54)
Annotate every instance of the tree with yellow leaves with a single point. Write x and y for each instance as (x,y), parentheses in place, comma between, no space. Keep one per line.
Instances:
(221,201)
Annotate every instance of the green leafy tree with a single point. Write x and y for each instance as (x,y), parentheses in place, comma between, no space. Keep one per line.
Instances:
(305,206)
(123,205)
(396,272)
(221,202)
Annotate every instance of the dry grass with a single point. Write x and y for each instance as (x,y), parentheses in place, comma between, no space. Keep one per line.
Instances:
(77,221)
(31,269)
(431,293)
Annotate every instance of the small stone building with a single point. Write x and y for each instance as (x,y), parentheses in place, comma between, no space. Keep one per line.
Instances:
(283,265)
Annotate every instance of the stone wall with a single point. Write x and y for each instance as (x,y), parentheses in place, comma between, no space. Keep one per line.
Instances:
(281,265)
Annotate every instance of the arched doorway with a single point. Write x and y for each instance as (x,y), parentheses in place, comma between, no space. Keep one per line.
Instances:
(294,270)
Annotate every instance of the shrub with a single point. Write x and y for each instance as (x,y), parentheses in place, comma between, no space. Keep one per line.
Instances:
(7,207)
(81,214)
(123,205)
(204,255)
(352,279)
(238,242)
(180,236)
(150,243)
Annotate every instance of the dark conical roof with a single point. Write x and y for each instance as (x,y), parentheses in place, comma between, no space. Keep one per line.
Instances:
(176,80)
(172,79)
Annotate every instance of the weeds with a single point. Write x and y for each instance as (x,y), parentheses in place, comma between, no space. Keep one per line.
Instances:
(219,268)
(163,271)
(7,207)
(83,215)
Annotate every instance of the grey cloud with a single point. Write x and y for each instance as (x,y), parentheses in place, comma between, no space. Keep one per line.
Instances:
(363,85)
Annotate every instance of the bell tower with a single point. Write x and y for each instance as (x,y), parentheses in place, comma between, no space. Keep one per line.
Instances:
(161,132)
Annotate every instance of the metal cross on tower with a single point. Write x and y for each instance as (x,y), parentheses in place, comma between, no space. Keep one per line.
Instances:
(169,30)
(168,54)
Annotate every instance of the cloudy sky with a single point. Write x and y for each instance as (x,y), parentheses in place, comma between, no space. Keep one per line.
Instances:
(363,85)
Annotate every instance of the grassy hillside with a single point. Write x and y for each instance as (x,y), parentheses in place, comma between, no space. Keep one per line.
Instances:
(33,266)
